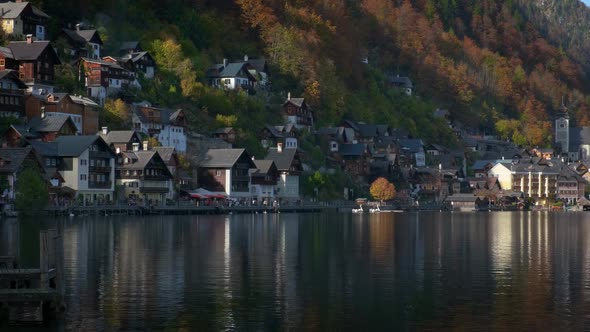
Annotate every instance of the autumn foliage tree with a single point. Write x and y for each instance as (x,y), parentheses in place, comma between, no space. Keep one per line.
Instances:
(382,190)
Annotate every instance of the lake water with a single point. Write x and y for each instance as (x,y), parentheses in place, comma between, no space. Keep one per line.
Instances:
(322,272)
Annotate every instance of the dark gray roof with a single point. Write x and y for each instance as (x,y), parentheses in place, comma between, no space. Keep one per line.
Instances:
(45,149)
(225,130)
(118,136)
(73,146)
(166,152)
(231,70)
(83,36)
(13,76)
(50,123)
(21,50)
(263,166)
(13,158)
(352,149)
(167,116)
(273,131)
(129,45)
(142,159)
(283,159)
(222,158)
(367,130)
(411,145)
(13,10)
(401,81)
(7,52)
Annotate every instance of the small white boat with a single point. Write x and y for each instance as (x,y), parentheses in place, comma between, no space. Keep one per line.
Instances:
(359,210)
(375,210)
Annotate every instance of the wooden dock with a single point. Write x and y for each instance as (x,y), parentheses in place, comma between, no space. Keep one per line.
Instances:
(41,287)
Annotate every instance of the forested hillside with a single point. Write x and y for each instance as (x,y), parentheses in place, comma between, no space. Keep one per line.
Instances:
(487,61)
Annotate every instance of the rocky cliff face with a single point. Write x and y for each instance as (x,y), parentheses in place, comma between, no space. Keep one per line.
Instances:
(564,22)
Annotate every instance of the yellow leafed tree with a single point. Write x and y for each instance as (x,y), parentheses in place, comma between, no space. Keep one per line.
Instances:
(382,190)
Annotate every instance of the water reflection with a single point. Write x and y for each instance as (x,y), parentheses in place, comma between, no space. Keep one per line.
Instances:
(502,271)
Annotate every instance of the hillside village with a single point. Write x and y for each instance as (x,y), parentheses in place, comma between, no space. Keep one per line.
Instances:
(159,161)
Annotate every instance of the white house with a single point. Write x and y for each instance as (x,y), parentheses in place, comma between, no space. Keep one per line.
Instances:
(86,164)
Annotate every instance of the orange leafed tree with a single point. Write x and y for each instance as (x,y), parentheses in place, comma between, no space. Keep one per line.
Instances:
(382,190)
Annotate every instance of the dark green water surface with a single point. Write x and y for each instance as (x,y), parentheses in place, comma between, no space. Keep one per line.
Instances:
(500,271)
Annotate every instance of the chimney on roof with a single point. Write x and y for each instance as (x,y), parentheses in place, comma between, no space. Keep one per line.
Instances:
(29,39)
(135,147)
(224,63)
(146,145)
(245,57)
(105,130)
(78,27)
(3,12)
(288,95)
(279,147)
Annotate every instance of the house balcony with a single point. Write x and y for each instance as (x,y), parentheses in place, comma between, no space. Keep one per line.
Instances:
(100,154)
(100,169)
(147,177)
(12,92)
(100,185)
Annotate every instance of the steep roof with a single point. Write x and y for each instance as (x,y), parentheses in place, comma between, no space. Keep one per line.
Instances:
(283,159)
(401,81)
(129,45)
(12,10)
(263,166)
(295,101)
(83,36)
(166,152)
(142,157)
(222,158)
(412,145)
(50,123)
(22,50)
(117,136)
(13,158)
(46,149)
(12,75)
(73,146)
(225,130)
(352,149)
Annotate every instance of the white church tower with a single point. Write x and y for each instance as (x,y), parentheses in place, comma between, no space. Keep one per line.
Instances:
(562,129)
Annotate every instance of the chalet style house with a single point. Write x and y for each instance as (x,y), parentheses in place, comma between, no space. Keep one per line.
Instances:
(227,134)
(103,78)
(228,171)
(167,126)
(295,111)
(12,162)
(403,84)
(122,140)
(139,62)
(264,180)
(33,60)
(82,43)
(82,110)
(289,165)
(12,94)
(270,136)
(85,163)
(44,129)
(232,75)
(20,18)
(144,176)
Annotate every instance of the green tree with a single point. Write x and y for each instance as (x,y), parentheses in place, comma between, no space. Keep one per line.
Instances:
(115,115)
(31,191)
